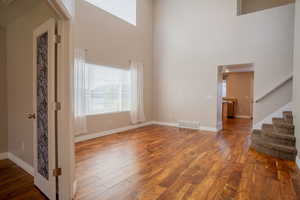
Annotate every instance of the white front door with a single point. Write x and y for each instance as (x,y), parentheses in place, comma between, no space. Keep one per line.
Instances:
(44,108)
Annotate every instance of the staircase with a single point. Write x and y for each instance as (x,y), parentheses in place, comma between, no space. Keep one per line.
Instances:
(276,139)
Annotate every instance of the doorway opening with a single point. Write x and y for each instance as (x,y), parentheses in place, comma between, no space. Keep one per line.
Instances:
(235,93)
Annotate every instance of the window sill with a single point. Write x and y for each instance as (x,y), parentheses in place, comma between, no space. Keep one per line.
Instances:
(108,113)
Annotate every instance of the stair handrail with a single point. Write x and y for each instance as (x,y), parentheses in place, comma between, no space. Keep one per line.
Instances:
(281,83)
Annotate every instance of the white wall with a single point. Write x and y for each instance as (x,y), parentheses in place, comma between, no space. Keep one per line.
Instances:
(192,39)
(113,42)
(19,41)
(296,97)
(3,96)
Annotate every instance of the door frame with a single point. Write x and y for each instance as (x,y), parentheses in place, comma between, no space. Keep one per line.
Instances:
(65,138)
(219,117)
(66,150)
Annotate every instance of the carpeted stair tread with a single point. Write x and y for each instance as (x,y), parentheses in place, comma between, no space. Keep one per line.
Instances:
(280,136)
(273,152)
(256,132)
(288,113)
(276,139)
(288,116)
(268,127)
(281,139)
(280,122)
(277,147)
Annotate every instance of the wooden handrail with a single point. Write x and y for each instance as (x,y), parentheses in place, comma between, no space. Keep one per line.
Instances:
(281,83)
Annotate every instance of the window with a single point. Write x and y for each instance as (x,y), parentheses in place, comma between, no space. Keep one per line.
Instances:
(108,89)
(125,10)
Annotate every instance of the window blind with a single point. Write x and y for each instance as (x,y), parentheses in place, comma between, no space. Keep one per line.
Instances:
(108,89)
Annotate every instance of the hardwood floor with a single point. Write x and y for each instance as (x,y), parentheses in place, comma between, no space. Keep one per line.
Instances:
(16,184)
(165,163)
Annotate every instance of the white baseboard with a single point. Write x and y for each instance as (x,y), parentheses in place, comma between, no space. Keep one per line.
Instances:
(219,126)
(165,124)
(277,113)
(243,117)
(74,188)
(206,128)
(298,162)
(202,128)
(81,138)
(18,161)
(3,156)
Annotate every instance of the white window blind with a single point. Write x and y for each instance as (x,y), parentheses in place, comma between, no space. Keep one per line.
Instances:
(108,89)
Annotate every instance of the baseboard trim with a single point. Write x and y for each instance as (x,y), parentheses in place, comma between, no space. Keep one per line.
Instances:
(298,162)
(18,161)
(82,138)
(165,124)
(74,188)
(3,156)
(202,128)
(243,117)
(219,126)
(206,128)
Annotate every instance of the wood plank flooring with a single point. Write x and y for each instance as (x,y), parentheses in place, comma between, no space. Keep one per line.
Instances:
(16,184)
(166,163)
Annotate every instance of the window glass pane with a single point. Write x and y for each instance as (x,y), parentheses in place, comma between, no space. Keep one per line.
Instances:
(124,9)
(108,89)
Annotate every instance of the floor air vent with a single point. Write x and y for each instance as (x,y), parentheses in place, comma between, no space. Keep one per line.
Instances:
(189,124)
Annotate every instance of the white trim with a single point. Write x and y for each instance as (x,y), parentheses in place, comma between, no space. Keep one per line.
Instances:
(202,128)
(61,9)
(65,137)
(66,152)
(242,69)
(277,113)
(165,124)
(18,161)
(206,128)
(3,156)
(243,117)
(81,138)
(220,126)
(74,188)
(278,85)
(239,7)
(298,162)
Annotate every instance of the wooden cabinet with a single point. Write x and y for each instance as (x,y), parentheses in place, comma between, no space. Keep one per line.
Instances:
(229,107)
